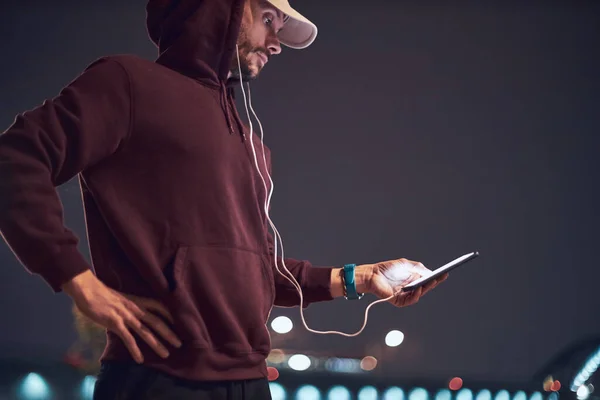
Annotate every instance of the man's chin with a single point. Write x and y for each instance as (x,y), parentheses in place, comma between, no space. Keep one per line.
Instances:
(253,72)
(250,76)
(249,72)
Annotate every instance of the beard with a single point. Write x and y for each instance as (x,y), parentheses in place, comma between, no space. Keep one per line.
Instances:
(249,70)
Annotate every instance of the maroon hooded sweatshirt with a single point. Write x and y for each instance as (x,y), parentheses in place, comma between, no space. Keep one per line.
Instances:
(173,202)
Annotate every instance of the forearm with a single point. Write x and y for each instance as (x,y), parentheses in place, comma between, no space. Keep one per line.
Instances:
(362,276)
(314,282)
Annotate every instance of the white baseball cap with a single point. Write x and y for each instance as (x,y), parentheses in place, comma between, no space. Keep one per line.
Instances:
(297,32)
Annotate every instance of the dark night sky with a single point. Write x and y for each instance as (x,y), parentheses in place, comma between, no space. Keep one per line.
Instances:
(409,129)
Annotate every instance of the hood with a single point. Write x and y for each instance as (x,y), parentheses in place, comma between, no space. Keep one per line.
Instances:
(196,37)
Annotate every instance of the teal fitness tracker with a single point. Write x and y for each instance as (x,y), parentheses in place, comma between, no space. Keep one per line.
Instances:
(350,283)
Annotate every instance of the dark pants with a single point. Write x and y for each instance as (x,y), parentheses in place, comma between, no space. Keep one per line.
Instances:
(120,381)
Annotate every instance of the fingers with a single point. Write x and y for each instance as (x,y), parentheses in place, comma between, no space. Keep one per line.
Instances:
(405,298)
(415,297)
(429,285)
(140,315)
(123,332)
(125,314)
(434,283)
(158,307)
(161,328)
(134,316)
(152,305)
(141,305)
(408,298)
(147,336)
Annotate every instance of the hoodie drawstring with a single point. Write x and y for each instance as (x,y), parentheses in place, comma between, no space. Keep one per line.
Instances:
(227,103)
(225,106)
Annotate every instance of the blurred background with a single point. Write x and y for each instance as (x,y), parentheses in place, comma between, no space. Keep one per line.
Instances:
(416,129)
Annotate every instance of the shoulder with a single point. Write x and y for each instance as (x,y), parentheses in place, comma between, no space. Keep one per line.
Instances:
(135,65)
(139,70)
(128,63)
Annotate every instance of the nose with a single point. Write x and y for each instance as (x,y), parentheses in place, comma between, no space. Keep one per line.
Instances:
(274,46)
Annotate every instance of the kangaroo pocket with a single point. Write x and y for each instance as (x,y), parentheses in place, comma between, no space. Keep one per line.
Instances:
(221,298)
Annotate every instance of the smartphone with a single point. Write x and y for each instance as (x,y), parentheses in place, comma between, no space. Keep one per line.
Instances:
(440,271)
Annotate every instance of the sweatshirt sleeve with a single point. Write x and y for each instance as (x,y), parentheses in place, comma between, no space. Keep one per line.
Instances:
(314,281)
(45,147)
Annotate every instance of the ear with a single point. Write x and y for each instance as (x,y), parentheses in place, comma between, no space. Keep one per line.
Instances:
(249,7)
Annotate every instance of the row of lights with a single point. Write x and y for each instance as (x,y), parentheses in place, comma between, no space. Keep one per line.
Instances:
(34,387)
(310,392)
(301,362)
(589,368)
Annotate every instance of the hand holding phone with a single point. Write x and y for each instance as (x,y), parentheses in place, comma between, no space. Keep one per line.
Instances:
(440,271)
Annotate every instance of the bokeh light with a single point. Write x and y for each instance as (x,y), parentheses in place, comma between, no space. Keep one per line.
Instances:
(308,392)
(272,374)
(443,394)
(547,385)
(520,395)
(455,383)
(484,394)
(34,387)
(368,363)
(394,338)
(339,393)
(536,396)
(299,362)
(282,324)
(418,394)
(87,387)
(276,356)
(464,394)
(583,392)
(368,393)
(277,391)
(393,393)
(502,395)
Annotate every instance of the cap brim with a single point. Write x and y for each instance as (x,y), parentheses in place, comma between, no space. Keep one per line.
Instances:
(297,32)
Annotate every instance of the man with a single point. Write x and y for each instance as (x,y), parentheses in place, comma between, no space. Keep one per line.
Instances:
(183,275)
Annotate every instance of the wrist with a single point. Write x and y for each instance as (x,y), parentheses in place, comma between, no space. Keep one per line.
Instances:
(78,284)
(362,278)
(337,285)
(363,274)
